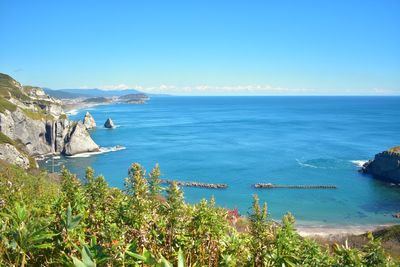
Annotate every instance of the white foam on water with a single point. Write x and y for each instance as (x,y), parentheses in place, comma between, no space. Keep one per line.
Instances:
(102,151)
(72,112)
(306,165)
(359,163)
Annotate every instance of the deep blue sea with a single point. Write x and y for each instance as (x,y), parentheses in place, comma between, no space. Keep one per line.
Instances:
(246,140)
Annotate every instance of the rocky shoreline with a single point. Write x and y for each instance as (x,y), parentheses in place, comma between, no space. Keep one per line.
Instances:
(35,124)
(337,230)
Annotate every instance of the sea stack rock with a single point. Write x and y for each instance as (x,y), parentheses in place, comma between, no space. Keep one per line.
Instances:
(385,165)
(109,123)
(89,121)
(78,140)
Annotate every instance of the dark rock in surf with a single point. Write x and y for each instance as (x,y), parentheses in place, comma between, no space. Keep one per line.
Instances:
(109,123)
(385,165)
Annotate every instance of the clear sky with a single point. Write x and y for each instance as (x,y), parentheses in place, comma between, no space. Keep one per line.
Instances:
(204,47)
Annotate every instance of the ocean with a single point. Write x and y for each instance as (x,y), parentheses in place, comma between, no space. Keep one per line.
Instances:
(241,141)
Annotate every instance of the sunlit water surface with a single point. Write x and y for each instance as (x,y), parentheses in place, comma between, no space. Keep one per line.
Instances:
(241,141)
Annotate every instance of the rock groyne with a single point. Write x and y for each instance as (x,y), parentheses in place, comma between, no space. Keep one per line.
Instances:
(271,186)
(196,184)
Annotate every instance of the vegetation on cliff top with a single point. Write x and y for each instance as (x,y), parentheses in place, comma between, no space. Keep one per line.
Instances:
(395,149)
(6,105)
(9,87)
(37,115)
(4,139)
(74,223)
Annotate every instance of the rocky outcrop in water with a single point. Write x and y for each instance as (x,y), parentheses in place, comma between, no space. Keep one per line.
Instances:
(270,186)
(38,123)
(196,184)
(78,140)
(109,123)
(89,121)
(11,155)
(385,165)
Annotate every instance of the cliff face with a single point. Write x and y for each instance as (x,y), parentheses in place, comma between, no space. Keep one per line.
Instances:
(38,123)
(385,165)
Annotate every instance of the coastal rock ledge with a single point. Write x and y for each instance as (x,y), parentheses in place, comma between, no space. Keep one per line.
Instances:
(385,165)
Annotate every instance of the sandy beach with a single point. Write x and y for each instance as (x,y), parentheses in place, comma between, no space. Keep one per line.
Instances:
(339,231)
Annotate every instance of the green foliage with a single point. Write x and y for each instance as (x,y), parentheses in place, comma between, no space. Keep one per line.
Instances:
(9,87)
(4,139)
(6,105)
(374,253)
(38,114)
(88,224)
(154,181)
(395,149)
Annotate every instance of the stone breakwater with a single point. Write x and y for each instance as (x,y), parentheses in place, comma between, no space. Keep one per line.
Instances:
(196,184)
(270,186)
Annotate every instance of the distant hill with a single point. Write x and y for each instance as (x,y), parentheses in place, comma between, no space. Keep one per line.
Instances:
(84,93)
(134,96)
(60,94)
(78,93)
(97,100)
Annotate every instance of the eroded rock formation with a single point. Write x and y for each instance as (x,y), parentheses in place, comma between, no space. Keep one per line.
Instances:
(37,123)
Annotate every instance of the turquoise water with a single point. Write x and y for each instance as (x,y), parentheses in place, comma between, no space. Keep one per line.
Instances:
(245,140)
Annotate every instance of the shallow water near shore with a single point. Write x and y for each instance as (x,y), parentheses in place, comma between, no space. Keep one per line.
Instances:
(241,141)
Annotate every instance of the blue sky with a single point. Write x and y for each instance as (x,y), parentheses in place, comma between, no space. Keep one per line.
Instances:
(205,47)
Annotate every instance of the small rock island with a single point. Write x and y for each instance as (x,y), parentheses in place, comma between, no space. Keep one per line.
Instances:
(385,165)
(109,123)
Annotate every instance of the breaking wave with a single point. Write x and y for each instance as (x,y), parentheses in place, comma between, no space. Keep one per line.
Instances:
(102,151)
(358,163)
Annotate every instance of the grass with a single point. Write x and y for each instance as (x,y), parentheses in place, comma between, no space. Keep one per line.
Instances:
(6,105)
(395,149)
(37,115)
(4,139)
(390,237)
(30,183)
(8,86)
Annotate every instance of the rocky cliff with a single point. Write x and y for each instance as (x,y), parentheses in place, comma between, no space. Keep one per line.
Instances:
(385,165)
(37,123)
